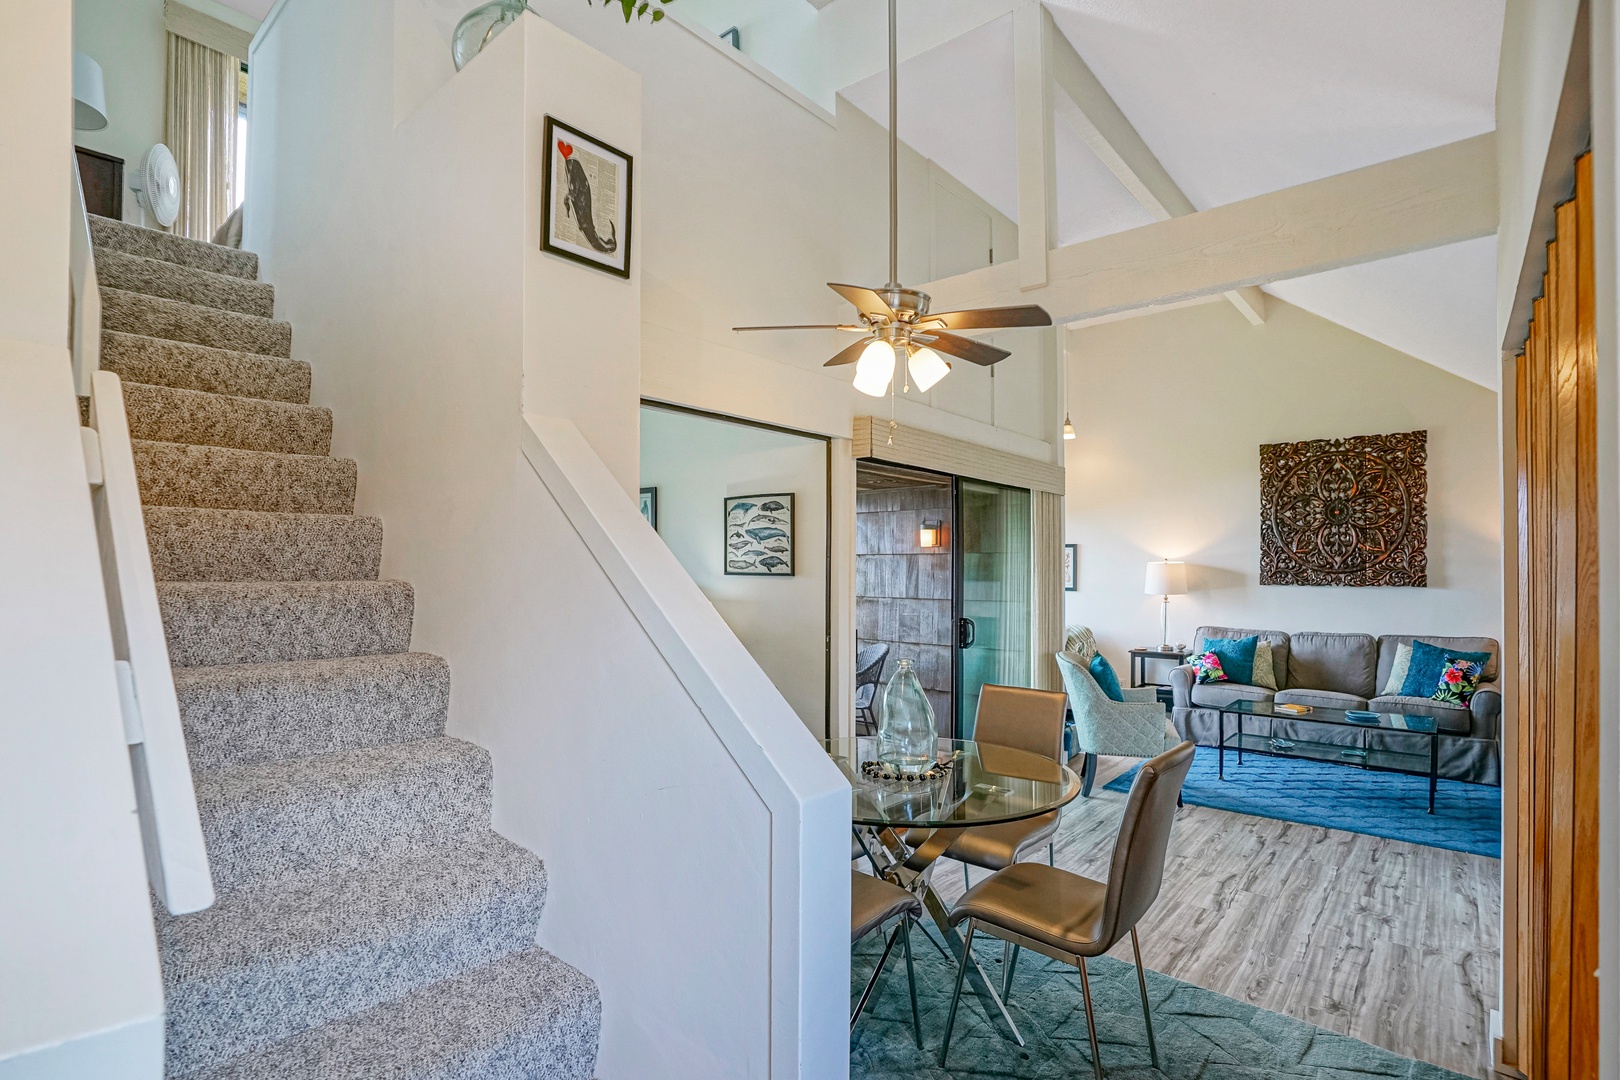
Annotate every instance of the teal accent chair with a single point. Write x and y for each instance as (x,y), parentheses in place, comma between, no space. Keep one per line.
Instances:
(1139,726)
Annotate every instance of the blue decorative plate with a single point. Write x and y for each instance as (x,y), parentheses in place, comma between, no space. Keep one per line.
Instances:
(1361,716)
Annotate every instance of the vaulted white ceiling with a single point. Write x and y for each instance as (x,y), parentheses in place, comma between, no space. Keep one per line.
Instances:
(1237,98)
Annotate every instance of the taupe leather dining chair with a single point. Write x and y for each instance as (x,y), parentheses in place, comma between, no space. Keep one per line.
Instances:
(1023,719)
(873,902)
(1069,917)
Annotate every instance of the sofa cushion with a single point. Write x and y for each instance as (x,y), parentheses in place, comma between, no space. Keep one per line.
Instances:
(1320,699)
(1237,657)
(1388,642)
(1452,719)
(1217,694)
(1278,640)
(1342,663)
(1428,665)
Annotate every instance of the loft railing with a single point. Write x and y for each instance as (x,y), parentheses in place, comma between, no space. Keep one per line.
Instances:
(171,832)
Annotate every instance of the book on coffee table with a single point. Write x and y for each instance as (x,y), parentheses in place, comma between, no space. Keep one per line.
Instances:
(1289,707)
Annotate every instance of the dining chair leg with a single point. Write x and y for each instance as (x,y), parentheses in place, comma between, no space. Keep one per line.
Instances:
(1051,853)
(1091,1018)
(911,980)
(967,882)
(956,996)
(1009,962)
(871,984)
(1141,983)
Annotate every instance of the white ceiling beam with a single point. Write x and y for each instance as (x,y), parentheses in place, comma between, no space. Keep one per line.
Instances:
(1424,200)
(1086,106)
(1033,40)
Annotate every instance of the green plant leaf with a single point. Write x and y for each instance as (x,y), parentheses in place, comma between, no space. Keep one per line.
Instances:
(658,14)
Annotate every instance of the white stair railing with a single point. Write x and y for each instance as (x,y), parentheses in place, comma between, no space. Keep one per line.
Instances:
(171,831)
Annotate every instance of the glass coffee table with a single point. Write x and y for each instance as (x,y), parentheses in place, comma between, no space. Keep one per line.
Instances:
(1367,753)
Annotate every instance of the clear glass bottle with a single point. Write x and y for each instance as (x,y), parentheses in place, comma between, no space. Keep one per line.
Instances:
(480,26)
(906,733)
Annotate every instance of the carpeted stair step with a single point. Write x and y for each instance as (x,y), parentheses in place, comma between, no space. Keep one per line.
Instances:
(249,714)
(186,366)
(249,622)
(165,414)
(527,1015)
(262,965)
(198,544)
(137,313)
(155,277)
(110,235)
(339,812)
(177,474)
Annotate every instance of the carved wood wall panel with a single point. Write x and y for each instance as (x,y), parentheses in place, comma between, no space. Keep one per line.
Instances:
(1345,511)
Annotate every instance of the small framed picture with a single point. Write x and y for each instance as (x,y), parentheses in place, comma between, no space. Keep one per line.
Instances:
(759,535)
(585,199)
(649,506)
(1071,567)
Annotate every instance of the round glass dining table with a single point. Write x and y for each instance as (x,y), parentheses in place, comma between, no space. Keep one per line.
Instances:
(983,784)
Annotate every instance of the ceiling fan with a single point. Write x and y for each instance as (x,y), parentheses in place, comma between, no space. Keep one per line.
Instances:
(894,321)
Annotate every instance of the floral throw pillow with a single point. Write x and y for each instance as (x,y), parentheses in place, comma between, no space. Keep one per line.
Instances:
(1458,681)
(1207,668)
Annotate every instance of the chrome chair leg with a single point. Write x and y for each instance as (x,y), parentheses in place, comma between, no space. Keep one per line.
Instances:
(871,984)
(956,996)
(911,979)
(967,882)
(1051,854)
(1010,961)
(1091,1019)
(1141,983)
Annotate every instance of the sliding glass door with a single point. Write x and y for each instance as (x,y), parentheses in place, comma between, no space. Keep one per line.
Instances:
(993,586)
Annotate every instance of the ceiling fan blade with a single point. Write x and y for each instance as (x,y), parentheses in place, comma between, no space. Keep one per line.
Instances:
(804,326)
(995,318)
(866,301)
(975,352)
(849,355)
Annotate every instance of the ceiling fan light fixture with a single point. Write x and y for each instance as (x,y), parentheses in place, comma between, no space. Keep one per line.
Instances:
(927,367)
(875,369)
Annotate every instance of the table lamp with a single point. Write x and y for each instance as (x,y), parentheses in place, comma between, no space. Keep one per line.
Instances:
(1166,579)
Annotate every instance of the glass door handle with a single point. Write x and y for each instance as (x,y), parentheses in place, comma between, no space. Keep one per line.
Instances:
(964,633)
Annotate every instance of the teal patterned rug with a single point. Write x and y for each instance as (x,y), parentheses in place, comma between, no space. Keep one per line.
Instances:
(1467,817)
(1201,1035)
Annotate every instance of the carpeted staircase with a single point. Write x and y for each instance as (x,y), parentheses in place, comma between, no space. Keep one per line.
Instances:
(369,921)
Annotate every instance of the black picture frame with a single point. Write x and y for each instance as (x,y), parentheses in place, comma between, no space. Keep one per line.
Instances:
(757,505)
(554,127)
(1071,567)
(649,506)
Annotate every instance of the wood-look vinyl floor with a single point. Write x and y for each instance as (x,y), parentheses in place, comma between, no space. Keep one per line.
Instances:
(1392,943)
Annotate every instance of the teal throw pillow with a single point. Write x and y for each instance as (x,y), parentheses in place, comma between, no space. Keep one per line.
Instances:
(1103,672)
(1237,657)
(1428,663)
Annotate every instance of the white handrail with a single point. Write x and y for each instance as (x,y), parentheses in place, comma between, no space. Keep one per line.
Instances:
(171,831)
(86,294)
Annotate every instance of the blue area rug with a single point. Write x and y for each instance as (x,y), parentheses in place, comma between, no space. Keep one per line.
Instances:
(1467,817)
(1202,1035)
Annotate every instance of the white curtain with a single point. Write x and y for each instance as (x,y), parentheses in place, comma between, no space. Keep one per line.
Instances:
(200,128)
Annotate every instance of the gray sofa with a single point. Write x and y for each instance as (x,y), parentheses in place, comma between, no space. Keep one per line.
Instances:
(1348,671)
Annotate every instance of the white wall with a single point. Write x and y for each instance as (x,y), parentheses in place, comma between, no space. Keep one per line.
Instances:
(126,37)
(432,323)
(1171,410)
(80,990)
(696,462)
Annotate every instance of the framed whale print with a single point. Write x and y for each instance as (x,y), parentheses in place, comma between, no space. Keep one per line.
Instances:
(585,199)
(759,535)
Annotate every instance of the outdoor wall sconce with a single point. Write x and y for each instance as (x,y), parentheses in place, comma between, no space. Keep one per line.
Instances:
(931,535)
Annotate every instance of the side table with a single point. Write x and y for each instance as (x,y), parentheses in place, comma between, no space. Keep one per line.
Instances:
(1140,657)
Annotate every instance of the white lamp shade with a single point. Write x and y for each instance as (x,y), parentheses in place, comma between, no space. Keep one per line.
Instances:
(89,94)
(927,367)
(875,368)
(1166,579)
